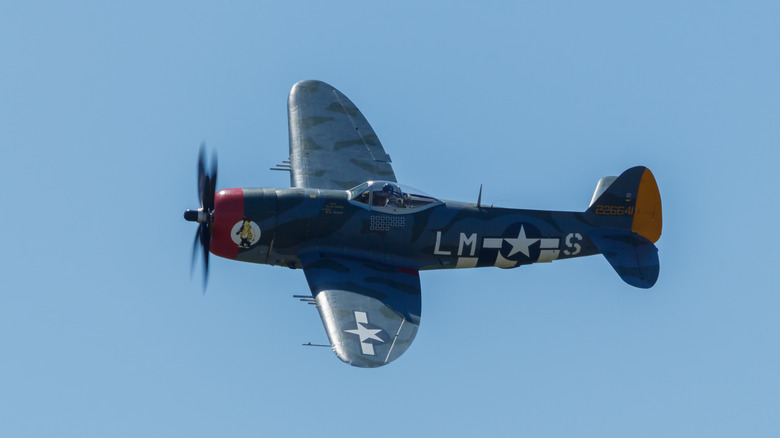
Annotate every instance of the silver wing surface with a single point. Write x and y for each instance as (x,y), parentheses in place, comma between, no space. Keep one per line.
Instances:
(332,146)
(370,309)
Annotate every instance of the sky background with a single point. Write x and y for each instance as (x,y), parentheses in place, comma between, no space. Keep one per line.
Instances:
(103,332)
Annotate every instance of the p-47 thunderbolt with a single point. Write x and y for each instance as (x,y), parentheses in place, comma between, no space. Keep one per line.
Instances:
(362,239)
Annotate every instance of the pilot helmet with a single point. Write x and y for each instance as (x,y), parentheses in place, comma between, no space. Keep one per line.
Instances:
(387,189)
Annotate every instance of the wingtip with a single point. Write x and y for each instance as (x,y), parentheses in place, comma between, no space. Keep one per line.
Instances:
(308,86)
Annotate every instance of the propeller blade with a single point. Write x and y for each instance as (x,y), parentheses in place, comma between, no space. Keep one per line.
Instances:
(202,178)
(207,201)
(210,185)
(205,241)
(207,185)
(214,166)
(194,251)
(213,180)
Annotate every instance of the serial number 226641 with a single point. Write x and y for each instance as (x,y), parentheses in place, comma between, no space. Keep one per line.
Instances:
(614,210)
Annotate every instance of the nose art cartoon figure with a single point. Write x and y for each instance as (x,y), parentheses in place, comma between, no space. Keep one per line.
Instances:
(246,234)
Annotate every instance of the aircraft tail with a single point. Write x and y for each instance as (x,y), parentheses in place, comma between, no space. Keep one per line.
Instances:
(627,214)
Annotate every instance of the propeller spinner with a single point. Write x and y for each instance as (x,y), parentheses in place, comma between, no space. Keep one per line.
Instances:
(204,216)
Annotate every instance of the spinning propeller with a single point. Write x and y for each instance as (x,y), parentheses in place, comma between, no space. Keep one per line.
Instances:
(207,183)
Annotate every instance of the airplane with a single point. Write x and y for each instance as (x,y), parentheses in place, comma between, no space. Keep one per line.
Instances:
(361,238)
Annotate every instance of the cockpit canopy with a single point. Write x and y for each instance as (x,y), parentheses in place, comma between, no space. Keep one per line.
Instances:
(389,197)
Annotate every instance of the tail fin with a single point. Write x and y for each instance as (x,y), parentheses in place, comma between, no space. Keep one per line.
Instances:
(627,214)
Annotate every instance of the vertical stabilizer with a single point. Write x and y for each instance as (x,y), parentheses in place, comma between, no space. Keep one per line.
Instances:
(601,187)
(631,202)
(628,220)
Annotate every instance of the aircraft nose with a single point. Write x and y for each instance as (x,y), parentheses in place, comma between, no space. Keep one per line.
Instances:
(228,213)
(191,215)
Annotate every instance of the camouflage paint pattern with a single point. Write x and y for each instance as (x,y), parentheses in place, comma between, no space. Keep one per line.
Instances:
(332,146)
(361,251)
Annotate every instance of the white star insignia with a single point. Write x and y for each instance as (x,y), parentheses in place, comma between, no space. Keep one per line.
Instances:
(521,243)
(365,333)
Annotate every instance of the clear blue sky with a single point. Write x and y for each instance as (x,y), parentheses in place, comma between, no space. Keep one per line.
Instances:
(102,109)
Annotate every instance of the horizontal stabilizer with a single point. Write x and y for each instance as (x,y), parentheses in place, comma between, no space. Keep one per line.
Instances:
(632,256)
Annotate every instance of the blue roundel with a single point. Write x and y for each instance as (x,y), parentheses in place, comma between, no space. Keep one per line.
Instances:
(521,243)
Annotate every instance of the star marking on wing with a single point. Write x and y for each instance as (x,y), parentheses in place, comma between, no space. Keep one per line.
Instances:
(520,243)
(365,333)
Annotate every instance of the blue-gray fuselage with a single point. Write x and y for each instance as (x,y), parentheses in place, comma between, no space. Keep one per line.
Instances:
(439,235)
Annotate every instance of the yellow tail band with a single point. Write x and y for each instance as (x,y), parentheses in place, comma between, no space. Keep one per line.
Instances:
(647,213)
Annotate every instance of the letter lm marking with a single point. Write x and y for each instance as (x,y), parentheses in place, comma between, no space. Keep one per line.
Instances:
(471,241)
(437,250)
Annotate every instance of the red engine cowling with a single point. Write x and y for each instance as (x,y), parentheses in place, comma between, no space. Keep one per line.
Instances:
(228,211)
(244,224)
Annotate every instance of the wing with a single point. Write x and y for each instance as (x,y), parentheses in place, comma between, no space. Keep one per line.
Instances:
(332,146)
(370,310)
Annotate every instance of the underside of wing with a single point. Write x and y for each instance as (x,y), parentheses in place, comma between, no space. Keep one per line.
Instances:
(370,310)
(332,146)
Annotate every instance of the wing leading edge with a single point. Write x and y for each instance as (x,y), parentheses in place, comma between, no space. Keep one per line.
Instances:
(332,146)
(370,310)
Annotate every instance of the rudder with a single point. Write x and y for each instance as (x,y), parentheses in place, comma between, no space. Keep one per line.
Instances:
(631,202)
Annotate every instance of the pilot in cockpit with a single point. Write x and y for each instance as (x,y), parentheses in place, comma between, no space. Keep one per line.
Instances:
(388,197)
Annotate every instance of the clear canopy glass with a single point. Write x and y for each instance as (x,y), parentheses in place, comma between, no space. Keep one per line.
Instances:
(390,196)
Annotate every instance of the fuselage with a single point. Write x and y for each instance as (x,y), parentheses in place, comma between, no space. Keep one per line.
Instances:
(276,226)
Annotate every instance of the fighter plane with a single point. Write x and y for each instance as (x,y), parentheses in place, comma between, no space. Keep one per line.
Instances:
(361,238)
